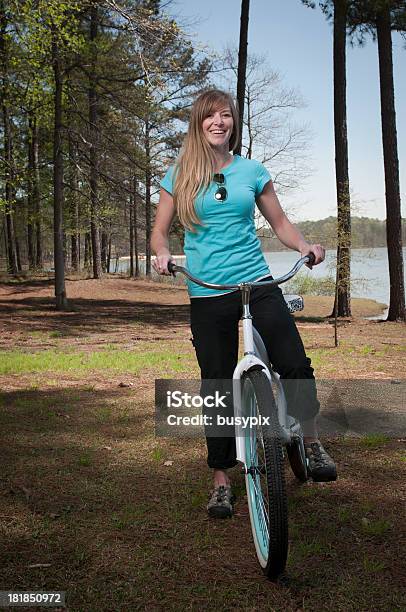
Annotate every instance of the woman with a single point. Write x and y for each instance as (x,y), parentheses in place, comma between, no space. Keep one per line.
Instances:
(214,195)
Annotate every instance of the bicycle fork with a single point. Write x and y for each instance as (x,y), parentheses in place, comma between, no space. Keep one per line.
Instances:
(256,357)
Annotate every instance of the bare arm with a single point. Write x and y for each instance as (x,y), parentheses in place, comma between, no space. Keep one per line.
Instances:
(287,233)
(160,232)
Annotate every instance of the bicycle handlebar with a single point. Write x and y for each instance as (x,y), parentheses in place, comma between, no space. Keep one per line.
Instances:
(173,268)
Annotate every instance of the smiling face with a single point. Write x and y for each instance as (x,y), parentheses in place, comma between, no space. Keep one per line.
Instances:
(217,127)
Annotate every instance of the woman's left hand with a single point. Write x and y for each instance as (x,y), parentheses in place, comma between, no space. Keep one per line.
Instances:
(318,251)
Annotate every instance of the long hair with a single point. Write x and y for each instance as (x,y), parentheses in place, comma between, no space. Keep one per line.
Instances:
(194,168)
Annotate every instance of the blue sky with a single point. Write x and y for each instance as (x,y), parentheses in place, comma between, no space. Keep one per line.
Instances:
(298,43)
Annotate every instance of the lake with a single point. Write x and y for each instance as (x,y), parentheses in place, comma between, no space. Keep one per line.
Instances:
(369,269)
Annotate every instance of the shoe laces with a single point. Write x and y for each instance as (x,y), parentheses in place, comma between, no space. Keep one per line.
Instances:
(317,452)
(221,493)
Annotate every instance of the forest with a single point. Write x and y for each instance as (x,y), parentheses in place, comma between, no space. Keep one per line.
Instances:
(365,232)
(95,99)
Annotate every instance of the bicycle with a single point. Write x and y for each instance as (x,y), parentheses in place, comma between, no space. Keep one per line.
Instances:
(258,393)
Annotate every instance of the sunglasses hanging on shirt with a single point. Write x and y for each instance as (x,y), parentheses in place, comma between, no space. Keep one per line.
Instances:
(221,193)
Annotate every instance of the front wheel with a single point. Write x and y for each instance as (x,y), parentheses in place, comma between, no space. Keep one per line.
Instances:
(265,479)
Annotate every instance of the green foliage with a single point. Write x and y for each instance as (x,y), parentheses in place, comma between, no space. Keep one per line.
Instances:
(373,566)
(144,72)
(304,284)
(362,15)
(85,460)
(375,527)
(374,440)
(157,454)
(344,514)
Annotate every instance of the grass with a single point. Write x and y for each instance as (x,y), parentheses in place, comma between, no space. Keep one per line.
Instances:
(21,362)
(373,566)
(130,516)
(366,350)
(58,334)
(104,414)
(36,334)
(376,527)
(344,515)
(373,440)
(85,460)
(308,549)
(198,499)
(157,454)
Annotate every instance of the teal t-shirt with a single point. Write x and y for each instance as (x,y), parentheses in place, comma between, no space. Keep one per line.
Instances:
(225,249)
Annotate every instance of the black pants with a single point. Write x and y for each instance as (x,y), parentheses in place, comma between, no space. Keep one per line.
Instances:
(214,325)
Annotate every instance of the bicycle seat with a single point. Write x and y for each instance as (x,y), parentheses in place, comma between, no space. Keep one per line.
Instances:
(294,302)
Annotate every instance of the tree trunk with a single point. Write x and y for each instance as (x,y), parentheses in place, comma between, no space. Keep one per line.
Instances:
(249,125)
(103,254)
(5,238)
(94,153)
(12,264)
(135,219)
(242,68)
(74,206)
(36,194)
(59,263)
(65,247)
(109,253)
(343,306)
(397,311)
(19,266)
(88,251)
(30,193)
(30,234)
(147,202)
(4,233)
(131,238)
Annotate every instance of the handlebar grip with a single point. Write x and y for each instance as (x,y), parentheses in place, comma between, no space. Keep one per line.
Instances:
(312,258)
(171,267)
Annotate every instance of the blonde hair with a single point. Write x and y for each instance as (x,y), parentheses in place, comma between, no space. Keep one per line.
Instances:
(194,168)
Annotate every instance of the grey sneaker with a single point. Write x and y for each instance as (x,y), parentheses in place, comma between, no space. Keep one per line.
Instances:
(221,502)
(321,466)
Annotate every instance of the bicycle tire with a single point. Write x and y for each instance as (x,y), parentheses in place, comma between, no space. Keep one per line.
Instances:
(265,478)
(297,459)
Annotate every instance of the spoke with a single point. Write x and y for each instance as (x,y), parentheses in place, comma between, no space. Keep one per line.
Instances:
(263,521)
(259,434)
(253,443)
(252,434)
(257,457)
(260,498)
(260,495)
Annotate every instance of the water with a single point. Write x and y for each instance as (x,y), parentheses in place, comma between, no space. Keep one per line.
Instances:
(369,269)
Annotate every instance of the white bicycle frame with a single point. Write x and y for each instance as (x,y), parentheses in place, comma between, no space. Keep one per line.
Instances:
(255,356)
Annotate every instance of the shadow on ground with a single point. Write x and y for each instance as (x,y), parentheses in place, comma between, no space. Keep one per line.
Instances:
(91,315)
(92,503)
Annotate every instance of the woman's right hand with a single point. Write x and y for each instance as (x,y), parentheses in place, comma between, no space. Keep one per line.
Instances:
(160,264)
